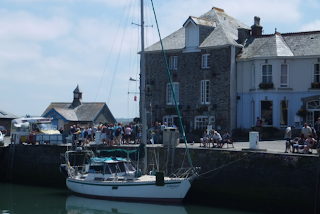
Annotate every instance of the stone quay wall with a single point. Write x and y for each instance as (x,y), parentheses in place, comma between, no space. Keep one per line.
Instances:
(235,178)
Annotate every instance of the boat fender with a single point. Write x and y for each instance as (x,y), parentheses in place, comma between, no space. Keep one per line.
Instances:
(159,178)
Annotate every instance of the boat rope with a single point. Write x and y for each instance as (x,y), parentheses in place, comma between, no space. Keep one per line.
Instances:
(172,89)
(224,165)
(116,36)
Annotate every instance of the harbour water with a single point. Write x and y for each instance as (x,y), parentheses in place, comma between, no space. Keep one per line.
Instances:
(22,199)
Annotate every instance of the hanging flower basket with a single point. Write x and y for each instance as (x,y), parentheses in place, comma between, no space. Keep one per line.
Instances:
(302,112)
(315,85)
(202,109)
(266,85)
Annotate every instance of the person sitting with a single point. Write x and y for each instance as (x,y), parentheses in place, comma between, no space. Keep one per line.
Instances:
(225,138)
(308,144)
(205,139)
(216,139)
(299,144)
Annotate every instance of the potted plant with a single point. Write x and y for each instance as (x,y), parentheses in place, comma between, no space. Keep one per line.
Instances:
(266,85)
(302,112)
(315,85)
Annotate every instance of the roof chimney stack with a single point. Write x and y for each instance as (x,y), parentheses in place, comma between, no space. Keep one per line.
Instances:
(256,28)
(243,34)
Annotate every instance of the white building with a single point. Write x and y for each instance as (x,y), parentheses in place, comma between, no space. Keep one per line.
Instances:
(289,64)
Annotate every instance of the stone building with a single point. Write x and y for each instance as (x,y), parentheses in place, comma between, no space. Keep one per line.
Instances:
(201,57)
(78,112)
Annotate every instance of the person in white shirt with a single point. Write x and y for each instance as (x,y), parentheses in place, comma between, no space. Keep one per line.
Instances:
(216,138)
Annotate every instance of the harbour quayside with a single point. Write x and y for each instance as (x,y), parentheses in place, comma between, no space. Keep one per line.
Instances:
(112,177)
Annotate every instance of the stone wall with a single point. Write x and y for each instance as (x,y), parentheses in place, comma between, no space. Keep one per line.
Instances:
(189,76)
(236,178)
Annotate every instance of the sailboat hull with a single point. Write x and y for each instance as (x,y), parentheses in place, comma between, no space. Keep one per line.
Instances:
(174,190)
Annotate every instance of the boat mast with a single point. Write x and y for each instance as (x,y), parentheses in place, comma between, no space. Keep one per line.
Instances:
(143,116)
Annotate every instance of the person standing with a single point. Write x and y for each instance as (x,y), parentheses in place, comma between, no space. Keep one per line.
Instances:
(128,134)
(259,127)
(61,130)
(317,129)
(94,130)
(306,130)
(287,136)
(89,130)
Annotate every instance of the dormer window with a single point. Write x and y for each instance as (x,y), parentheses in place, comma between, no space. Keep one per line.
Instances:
(76,95)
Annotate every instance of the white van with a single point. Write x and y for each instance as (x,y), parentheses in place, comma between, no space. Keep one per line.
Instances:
(35,129)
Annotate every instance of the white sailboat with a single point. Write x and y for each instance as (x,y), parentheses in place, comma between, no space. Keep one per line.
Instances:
(117,179)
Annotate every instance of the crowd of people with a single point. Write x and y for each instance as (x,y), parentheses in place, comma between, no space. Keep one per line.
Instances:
(111,134)
(308,139)
(215,138)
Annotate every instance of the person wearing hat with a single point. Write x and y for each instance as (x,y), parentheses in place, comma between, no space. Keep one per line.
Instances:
(287,136)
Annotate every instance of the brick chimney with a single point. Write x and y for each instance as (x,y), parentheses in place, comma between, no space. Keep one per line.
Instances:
(256,28)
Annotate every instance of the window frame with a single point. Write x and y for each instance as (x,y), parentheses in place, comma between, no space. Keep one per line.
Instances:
(209,120)
(205,61)
(267,71)
(169,119)
(173,62)
(169,94)
(262,116)
(287,116)
(204,92)
(313,72)
(282,85)
(253,76)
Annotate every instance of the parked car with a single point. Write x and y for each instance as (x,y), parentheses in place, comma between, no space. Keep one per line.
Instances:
(3,130)
(1,137)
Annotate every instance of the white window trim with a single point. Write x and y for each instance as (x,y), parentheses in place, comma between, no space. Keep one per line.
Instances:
(173,62)
(211,120)
(287,76)
(264,123)
(253,77)
(286,125)
(169,94)
(205,61)
(203,92)
(166,119)
(313,79)
(267,72)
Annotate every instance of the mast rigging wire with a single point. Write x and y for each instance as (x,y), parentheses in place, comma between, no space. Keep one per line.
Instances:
(105,68)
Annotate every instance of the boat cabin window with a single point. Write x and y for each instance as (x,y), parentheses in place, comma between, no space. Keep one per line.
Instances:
(122,167)
(96,168)
(130,167)
(114,167)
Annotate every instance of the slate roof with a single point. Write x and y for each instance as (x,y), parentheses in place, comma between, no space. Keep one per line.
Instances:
(290,44)
(225,32)
(4,114)
(83,112)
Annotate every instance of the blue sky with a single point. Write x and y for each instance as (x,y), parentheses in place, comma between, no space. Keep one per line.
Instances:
(47,47)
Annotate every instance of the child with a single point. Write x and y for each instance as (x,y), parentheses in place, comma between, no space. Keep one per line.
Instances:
(139,137)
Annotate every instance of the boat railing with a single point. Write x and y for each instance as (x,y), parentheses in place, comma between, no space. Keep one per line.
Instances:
(183,173)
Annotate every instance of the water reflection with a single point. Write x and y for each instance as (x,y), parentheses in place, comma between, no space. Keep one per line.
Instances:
(22,199)
(75,204)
